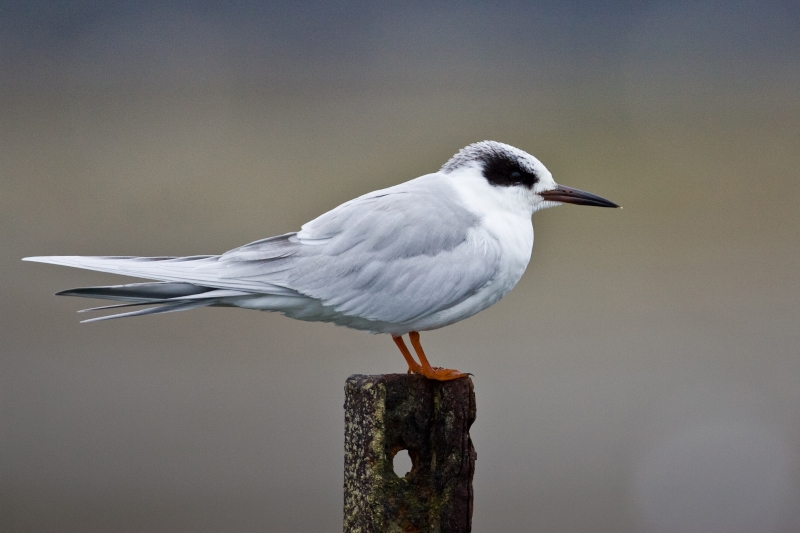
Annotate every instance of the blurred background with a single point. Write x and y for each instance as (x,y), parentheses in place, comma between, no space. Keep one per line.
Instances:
(642,377)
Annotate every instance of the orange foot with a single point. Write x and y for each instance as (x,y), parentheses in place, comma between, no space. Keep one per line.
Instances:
(430,372)
(442,374)
(437,373)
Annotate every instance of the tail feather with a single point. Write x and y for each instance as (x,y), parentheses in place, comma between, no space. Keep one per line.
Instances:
(170,269)
(166,308)
(168,297)
(255,271)
(138,292)
(182,283)
(116,306)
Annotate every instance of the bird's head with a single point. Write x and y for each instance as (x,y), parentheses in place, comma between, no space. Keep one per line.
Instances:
(517,177)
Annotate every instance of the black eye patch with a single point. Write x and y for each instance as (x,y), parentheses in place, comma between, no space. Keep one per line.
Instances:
(504,171)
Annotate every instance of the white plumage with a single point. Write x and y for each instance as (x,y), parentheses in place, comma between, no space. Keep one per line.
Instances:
(417,256)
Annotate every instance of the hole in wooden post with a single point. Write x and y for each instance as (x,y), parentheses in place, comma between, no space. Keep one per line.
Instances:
(402,463)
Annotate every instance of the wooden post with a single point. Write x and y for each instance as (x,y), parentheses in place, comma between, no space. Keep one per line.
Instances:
(430,419)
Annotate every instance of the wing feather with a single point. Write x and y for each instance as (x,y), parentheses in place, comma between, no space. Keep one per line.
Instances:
(393,256)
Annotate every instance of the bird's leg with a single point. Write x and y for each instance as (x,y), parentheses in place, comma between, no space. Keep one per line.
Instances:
(413,366)
(439,374)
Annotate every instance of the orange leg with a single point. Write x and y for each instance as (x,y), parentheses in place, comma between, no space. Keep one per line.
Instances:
(413,366)
(439,374)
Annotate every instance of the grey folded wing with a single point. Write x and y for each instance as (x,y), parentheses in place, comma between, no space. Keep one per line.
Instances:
(394,256)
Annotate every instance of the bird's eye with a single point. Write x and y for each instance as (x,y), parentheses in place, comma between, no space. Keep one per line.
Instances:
(515,176)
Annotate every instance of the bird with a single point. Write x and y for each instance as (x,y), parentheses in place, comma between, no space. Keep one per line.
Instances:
(417,256)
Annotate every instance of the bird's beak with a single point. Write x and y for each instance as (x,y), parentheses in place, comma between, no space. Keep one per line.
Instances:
(568,195)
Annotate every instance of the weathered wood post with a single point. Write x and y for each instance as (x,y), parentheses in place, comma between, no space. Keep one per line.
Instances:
(430,419)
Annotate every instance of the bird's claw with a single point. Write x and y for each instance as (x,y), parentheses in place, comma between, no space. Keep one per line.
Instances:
(415,369)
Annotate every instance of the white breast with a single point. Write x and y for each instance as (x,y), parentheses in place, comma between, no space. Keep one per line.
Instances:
(505,223)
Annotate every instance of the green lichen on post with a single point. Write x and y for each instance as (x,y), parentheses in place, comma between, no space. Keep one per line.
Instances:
(430,419)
